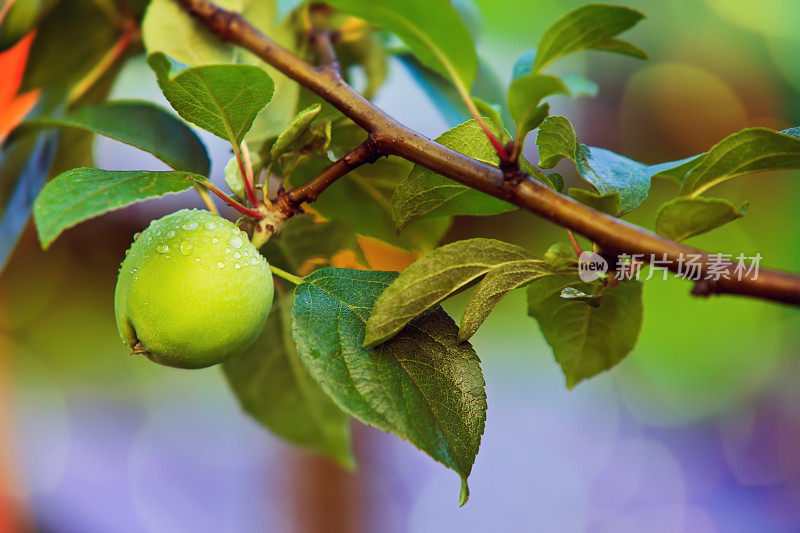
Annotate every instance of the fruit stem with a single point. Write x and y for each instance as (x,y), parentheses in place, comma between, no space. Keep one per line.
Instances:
(285,275)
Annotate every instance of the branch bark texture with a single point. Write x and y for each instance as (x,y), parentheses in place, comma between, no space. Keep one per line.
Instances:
(389,137)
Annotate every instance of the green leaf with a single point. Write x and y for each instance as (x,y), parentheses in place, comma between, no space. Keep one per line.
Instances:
(28,162)
(423,193)
(686,217)
(586,340)
(169,29)
(750,150)
(438,275)
(605,170)
(140,124)
(585,27)
(21,18)
(274,387)
(607,203)
(432,29)
(560,256)
(299,125)
(423,385)
(619,46)
(556,140)
(222,99)
(83,193)
(525,95)
(59,57)
(500,280)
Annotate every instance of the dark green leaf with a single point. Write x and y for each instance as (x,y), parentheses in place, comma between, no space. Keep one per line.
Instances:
(607,203)
(422,385)
(21,18)
(438,275)
(143,125)
(223,99)
(750,150)
(607,171)
(524,98)
(423,193)
(69,42)
(686,217)
(586,340)
(83,193)
(621,47)
(30,173)
(168,28)
(274,387)
(432,29)
(583,28)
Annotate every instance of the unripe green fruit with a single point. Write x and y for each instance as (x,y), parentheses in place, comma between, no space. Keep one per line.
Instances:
(192,291)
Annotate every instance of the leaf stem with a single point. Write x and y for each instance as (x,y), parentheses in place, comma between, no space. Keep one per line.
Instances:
(574,241)
(285,275)
(247,176)
(252,213)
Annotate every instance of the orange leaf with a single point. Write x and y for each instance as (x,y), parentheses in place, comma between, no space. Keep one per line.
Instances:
(14,111)
(12,67)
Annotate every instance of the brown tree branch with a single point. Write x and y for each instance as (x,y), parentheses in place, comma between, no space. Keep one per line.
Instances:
(612,234)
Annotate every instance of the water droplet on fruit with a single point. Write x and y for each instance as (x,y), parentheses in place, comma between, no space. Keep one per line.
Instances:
(236,265)
(137,235)
(254,261)
(211,226)
(171,234)
(214,240)
(237,255)
(236,242)
(162,248)
(189,226)
(186,248)
(196,259)
(221,264)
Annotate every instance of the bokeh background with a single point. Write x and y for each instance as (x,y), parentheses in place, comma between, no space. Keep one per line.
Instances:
(698,430)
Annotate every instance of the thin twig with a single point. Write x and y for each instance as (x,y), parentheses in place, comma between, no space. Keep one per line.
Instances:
(613,235)
(363,153)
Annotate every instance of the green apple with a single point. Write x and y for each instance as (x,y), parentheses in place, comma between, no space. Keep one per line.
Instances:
(192,291)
